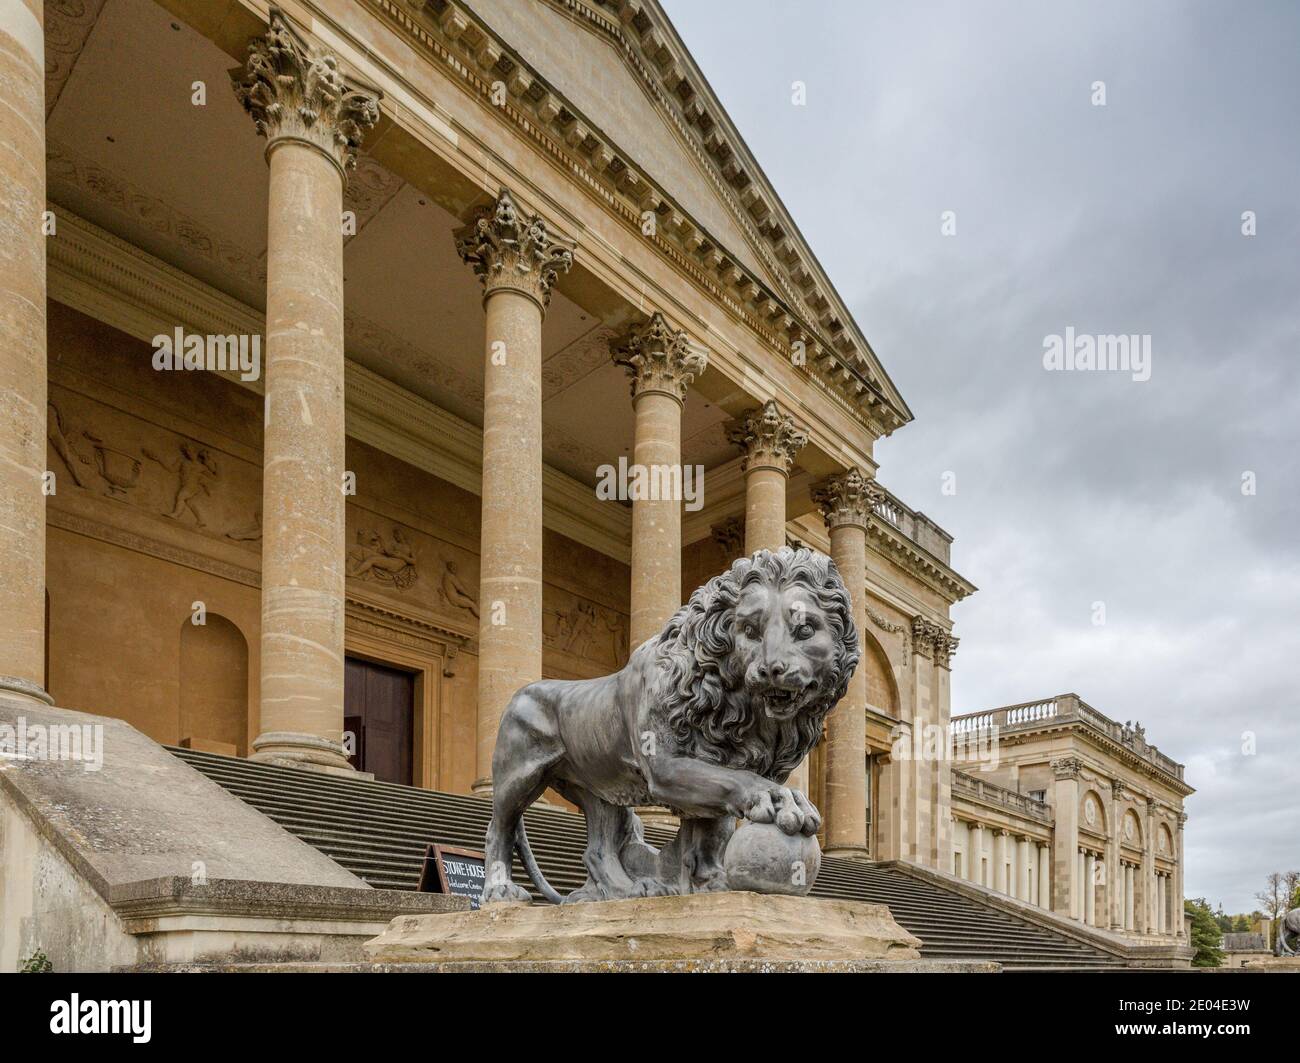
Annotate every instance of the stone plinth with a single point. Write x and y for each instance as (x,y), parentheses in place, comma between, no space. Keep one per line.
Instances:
(715,927)
(1269,963)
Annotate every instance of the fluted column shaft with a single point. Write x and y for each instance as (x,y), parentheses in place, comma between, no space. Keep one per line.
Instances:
(22,355)
(845,503)
(313,121)
(518,264)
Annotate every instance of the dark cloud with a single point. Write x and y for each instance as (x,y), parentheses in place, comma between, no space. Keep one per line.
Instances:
(1073,487)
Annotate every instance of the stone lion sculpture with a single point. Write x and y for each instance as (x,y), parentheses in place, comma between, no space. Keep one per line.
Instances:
(708,718)
(1288,934)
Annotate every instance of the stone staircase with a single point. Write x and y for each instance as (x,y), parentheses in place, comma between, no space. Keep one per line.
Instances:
(379,831)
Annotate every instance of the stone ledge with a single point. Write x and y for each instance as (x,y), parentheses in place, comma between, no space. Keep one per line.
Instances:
(695,928)
(172,897)
(700,966)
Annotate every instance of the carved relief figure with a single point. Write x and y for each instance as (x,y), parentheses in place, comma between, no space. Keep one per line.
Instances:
(194,470)
(389,561)
(119,470)
(455,591)
(63,439)
(708,718)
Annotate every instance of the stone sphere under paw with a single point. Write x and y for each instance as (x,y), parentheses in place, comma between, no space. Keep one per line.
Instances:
(763,858)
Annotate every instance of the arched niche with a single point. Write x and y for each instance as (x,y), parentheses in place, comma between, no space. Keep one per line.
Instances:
(214,685)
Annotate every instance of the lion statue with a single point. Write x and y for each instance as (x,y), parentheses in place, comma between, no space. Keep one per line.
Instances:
(708,718)
(1288,934)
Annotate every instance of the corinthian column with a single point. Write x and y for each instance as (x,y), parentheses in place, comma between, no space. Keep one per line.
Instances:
(770,440)
(517,262)
(313,121)
(661,364)
(846,502)
(22,355)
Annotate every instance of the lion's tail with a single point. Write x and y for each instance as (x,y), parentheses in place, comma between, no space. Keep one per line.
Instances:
(530,865)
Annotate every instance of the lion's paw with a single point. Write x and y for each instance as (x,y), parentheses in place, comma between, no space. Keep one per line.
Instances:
(652,887)
(788,809)
(504,893)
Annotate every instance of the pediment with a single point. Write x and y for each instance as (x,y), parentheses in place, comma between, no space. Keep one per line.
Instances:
(590,70)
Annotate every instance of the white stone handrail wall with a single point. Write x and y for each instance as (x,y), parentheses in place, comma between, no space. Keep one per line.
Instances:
(1066,707)
(914,525)
(991,793)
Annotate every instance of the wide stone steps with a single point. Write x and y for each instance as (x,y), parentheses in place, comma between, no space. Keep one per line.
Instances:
(379,831)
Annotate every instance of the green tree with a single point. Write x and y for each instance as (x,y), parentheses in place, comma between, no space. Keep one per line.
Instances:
(1241,925)
(1206,935)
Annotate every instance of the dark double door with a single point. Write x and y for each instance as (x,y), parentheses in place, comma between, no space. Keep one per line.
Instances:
(379,711)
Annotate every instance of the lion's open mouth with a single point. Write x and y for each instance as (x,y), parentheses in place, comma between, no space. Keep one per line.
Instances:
(781,704)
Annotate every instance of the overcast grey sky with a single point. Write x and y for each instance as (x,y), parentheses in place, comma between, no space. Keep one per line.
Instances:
(1074,487)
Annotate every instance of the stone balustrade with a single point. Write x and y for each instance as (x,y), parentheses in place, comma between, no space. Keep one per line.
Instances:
(990,793)
(913,525)
(1066,708)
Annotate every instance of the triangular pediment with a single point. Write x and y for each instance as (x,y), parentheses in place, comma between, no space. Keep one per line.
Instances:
(616,82)
(588,68)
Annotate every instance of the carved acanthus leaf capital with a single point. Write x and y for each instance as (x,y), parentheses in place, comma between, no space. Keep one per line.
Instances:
(296,92)
(1066,768)
(934,641)
(505,249)
(769,437)
(658,358)
(847,499)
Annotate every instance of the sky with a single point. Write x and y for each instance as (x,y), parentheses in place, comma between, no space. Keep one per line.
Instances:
(1136,541)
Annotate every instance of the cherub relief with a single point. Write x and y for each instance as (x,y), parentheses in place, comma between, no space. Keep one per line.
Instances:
(194,469)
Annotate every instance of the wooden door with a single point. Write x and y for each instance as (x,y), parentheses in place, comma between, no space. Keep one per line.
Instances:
(379,709)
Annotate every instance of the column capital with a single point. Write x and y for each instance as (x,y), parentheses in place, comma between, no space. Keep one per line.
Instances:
(1066,767)
(658,358)
(507,250)
(846,499)
(933,641)
(295,92)
(769,437)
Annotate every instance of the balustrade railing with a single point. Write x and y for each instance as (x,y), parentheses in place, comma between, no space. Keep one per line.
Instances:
(1063,708)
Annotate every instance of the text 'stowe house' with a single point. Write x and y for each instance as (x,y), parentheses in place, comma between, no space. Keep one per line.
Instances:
(433,279)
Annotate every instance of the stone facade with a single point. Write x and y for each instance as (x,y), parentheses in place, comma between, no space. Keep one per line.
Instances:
(1057,805)
(414,475)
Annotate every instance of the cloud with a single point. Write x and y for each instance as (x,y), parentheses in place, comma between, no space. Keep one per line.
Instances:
(1075,488)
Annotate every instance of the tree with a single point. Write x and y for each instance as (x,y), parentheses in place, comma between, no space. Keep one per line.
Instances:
(1241,925)
(1206,937)
(1274,895)
(1281,893)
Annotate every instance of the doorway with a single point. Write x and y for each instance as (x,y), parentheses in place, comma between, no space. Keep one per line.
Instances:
(379,711)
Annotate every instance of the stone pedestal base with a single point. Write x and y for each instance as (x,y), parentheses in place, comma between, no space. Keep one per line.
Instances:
(309,752)
(1272,963)
(699,926)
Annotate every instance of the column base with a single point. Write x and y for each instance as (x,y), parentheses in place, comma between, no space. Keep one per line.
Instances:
(481,788)
(847,852)
(12,686)
(290,749)
(657,816)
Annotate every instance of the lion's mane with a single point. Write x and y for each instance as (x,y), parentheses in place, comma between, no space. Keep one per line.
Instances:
(708,711)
